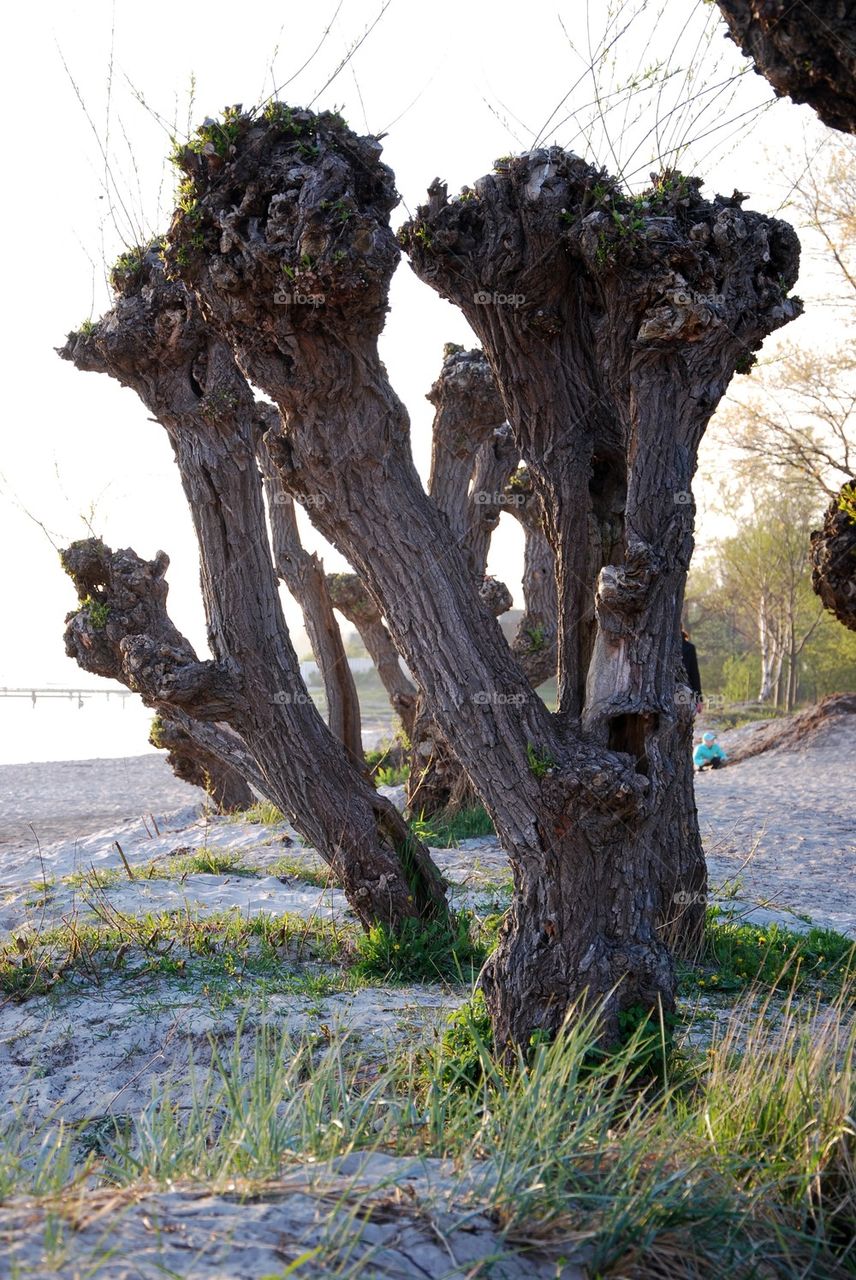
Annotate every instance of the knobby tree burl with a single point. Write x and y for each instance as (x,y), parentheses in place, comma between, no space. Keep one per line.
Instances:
(635,314)
(806,49)
(833,557)
(155,341)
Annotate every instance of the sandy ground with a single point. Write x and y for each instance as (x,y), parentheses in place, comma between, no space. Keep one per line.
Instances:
(419,1221)
(779,832)
(70,798)
(789,813)
(784,825)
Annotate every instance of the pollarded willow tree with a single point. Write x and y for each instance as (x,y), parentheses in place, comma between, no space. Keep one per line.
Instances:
(250,693)
(612,325)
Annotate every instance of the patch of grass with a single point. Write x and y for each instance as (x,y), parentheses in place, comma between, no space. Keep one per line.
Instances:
(202,948)
(466,1045)
(207,861)
(737,717)
(178,866)
(96,878)
(387,765)
(422,951)
(540,762)
(263,812)
(98,612)
(392,776)
(735,956)
(322,877)
(445,832)
(747,1170)
(537,638)
(42,892)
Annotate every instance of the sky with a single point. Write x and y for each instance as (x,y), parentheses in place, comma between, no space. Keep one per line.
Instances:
(94,92)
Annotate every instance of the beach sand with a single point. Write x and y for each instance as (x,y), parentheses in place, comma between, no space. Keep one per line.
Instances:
(778,831)
(781,824)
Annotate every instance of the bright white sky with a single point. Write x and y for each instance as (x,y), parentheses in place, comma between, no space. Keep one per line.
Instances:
(456,83)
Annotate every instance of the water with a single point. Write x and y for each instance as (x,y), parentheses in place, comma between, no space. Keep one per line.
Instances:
(98,726)
(73,729)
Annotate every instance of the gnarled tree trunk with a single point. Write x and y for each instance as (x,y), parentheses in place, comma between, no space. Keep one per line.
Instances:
(350,597)
(470,459)
(194,763)
(303,574)
(155,341)
(610,368)
(537,632)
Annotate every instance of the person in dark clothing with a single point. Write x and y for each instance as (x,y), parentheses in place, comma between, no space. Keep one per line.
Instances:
(690,661)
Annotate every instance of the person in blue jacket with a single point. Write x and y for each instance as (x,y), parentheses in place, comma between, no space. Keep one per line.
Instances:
(709,754)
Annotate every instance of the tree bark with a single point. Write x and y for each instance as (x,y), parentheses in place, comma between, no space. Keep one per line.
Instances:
(635,313)
(350,597)
(765,692)
(806,51)
(155,341)
(468,415)
(468,435)
(608,379)
(303,574)
(833,557)
(537,633)
(494,464)
(193,763)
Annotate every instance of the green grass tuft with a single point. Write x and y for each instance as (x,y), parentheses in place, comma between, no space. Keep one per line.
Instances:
(422,952)
(745,1170)
(442,832)
(263,812)
(737,955)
